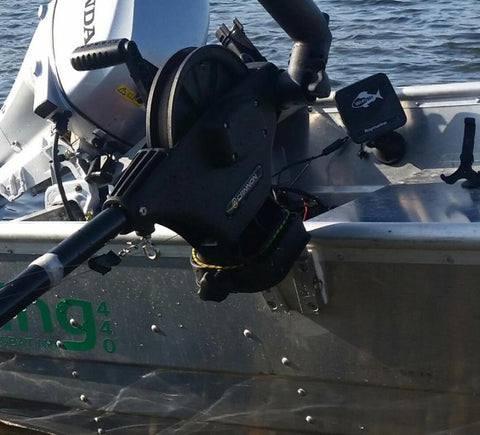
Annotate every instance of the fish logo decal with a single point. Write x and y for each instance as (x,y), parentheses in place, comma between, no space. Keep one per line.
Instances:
(364,99)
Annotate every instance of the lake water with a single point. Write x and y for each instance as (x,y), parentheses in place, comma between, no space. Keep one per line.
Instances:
(413,41)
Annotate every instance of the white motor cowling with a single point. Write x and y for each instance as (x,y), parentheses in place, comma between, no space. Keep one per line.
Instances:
(107,97)
(104,102)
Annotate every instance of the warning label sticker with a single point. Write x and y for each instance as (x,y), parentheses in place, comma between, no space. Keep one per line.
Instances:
(129,94)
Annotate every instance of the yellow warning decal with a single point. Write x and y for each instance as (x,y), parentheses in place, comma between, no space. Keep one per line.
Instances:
(129,94)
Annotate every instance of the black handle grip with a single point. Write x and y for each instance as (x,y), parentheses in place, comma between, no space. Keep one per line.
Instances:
(101,54)
(50,268)
(308,27)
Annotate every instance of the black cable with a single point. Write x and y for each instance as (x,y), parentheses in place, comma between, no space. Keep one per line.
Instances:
(61,122)
(300,192)
(334,146)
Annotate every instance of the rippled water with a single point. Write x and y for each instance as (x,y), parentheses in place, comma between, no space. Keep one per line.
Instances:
(413,41)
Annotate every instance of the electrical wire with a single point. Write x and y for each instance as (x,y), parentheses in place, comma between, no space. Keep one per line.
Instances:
(334,146)
(61,121)
(300,192)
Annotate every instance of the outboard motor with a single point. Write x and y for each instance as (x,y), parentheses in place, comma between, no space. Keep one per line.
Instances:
(102,114)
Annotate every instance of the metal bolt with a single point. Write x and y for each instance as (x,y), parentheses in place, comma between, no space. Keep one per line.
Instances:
(83,398)
(226,125)
(16,146)
(100,431)
(75,374)
(417,103)
(478,100)
(181,326)
(301,392)
(59,344)
(155,328)
(143,211)
(285,361)
(256,103)
(247,333)
(310,419)
(97,419)
(272,305)
(74,323)
(78,188)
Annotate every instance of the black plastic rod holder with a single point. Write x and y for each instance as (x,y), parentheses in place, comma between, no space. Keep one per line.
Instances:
(465,169)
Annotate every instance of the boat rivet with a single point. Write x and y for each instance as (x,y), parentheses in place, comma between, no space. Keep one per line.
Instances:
(100,430)
(143,211)
(74,323)
(83,398)
(417,103)
(247,333)
(256,103)
(59,344)
(155,328)
(478,100)
(75,374)
(181,326)
(285,361)
(226,125)
(97,419)
(16,146)
(178,303)
(361,427)
(309,419)
(301,392)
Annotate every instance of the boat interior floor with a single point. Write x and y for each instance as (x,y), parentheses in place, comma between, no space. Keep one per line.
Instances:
(430,202)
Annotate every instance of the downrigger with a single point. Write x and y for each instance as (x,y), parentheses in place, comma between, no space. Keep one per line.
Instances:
(205,172)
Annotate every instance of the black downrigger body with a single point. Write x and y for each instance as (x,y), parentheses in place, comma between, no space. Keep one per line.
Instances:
(206,170)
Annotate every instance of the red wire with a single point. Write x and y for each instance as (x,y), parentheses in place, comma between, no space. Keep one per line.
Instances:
(305,210)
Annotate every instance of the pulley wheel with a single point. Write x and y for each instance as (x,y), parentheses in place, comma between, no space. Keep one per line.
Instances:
(187,87)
